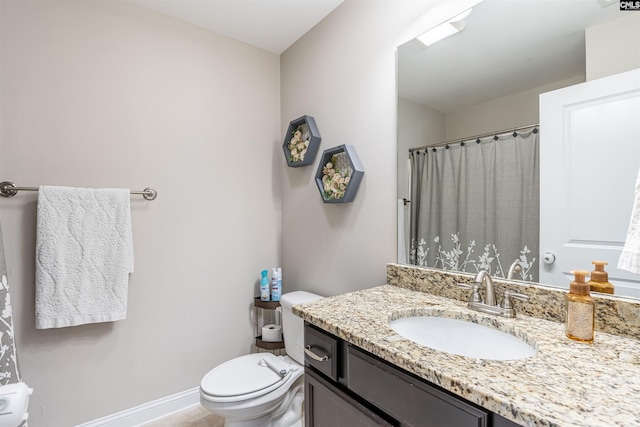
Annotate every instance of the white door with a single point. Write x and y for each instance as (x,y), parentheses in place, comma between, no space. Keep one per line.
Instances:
(589,160)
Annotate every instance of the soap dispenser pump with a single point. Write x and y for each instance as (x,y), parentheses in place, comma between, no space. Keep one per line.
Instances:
(600,279)
(580,309)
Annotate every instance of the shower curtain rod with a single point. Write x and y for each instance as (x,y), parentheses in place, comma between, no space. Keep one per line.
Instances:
(9,189)
(476,137)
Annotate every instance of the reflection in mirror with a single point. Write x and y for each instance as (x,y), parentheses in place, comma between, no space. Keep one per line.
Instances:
(475,205)
(482,82)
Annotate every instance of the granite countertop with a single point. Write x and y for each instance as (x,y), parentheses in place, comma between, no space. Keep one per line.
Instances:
(565,383)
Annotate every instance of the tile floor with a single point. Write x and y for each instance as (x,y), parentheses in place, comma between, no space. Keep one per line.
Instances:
(196,416)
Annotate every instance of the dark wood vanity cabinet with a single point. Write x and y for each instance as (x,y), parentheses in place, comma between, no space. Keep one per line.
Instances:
(346,386)
(327,405)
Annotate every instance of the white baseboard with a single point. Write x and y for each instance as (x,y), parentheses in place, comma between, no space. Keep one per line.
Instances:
(149,411)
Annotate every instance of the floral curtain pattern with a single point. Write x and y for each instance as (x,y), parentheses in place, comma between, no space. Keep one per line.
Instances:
(475,206)
(8,360)
(456,259)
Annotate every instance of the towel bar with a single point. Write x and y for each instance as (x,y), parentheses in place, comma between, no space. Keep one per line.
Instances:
(9,189)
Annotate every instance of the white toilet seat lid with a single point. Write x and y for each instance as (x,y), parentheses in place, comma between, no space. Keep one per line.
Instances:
(241,376)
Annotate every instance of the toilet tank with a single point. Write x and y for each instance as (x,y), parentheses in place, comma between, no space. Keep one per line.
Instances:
(292,325)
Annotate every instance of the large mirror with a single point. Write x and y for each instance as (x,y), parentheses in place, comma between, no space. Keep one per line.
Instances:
(487,79)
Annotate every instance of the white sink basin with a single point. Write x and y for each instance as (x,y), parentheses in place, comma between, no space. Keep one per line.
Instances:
(462,338)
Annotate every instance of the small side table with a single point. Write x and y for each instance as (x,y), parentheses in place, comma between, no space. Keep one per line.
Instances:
(266,312)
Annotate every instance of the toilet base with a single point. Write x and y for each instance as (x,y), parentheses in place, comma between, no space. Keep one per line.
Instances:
(264,421)
(293,410)
(261,422)
(288,414)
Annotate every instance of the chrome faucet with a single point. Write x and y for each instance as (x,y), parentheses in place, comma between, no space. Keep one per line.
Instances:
(483,277)
(516,267)
(489,305)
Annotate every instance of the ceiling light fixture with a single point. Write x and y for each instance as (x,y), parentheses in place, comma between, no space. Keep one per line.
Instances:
(446,29)
(606,3)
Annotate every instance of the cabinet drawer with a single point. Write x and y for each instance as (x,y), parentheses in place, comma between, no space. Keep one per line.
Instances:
(405,398)
(328,406)
(321,352)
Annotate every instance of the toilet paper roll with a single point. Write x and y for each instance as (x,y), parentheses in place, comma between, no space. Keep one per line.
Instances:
(272,333)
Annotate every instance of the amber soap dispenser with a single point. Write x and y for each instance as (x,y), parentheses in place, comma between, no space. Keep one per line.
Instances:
(580,309)
(600,279)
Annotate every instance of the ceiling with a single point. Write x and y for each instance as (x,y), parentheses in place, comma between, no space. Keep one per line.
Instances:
(272,25)
(507,46)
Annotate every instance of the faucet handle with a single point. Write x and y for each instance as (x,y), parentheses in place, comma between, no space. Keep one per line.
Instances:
(475,294)
(506,301)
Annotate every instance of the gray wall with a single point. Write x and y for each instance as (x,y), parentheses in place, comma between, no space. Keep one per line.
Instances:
(612,47)
(342,72)
(103,94)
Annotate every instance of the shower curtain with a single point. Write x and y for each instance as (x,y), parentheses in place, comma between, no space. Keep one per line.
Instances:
(475,205)
(8,361)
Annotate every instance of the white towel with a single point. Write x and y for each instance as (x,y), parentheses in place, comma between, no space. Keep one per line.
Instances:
(84,254)
(630,256)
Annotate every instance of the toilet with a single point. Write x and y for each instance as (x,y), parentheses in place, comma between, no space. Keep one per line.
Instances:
(261,389)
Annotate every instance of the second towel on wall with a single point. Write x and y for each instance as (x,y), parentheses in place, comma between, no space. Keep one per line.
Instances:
(84,254)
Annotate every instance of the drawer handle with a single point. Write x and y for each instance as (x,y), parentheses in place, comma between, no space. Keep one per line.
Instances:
(311,354)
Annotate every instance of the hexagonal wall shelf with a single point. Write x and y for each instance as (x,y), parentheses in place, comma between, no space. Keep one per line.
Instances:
(301,142)
(339,174)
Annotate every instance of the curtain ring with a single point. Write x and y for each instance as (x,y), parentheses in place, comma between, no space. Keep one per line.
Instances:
(495,137)
(478,141)
(433,149)
(461,143)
